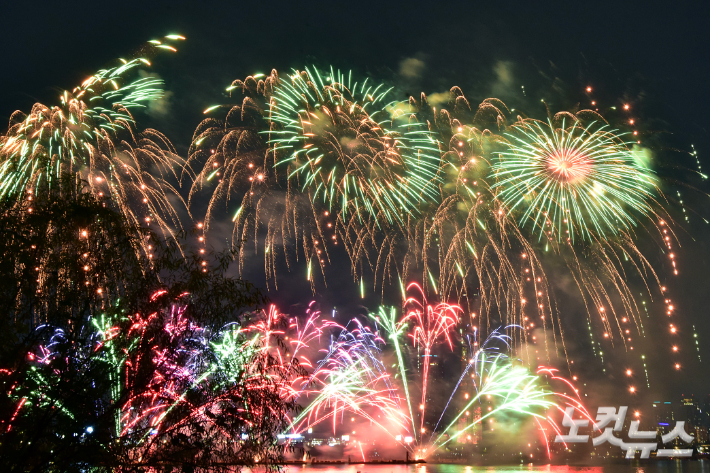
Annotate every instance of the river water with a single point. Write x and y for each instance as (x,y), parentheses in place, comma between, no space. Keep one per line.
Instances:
(670,466)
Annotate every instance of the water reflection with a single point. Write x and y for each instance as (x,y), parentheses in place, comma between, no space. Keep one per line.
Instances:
(687,466)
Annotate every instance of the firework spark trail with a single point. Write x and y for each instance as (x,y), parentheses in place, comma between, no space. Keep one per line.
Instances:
(517,391)
(92,136)
(575,402)
(351,375)
(312,330)
(514,386)
(347,389)
(428,329)
(306,333)
(394,329)
(475,357)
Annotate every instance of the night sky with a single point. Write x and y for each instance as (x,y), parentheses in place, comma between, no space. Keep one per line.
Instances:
(654,56)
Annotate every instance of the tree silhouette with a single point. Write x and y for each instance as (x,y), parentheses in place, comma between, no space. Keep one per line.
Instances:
(126,352)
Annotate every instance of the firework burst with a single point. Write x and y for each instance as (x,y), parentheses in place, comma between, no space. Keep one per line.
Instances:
(431,323)
(339,140)
(573,181)
(319,160)
(91,136)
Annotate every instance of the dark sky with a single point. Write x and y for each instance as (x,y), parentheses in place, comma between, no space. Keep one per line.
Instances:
(651,54)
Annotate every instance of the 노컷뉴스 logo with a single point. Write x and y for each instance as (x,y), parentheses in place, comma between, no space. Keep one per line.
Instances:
(607,415)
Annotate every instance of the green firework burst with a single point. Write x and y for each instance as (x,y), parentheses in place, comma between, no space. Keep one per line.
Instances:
(349,148)
(579,181)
